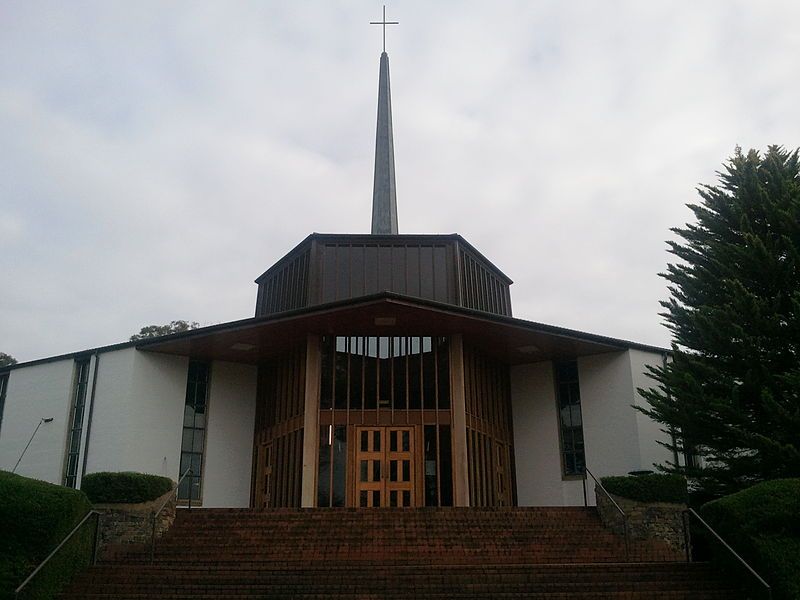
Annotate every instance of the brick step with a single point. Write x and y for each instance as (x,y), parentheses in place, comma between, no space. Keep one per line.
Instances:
(563,579)
(422,594)
(553,554)
(586,572)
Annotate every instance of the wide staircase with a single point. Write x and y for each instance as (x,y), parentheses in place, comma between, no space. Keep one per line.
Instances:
(547,553)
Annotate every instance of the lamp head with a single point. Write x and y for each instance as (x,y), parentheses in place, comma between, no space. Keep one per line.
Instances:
(47,420)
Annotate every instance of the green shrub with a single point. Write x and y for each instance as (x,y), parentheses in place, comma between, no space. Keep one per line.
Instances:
(762,523)
(125,487)
(655,487)
(34,517)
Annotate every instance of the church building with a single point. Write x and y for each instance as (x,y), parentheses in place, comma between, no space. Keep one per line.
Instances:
(379,370)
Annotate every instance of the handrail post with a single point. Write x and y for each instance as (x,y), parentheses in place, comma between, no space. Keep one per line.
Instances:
(152,536)
(687,540)
(585,500)
(627,538)
(96,543)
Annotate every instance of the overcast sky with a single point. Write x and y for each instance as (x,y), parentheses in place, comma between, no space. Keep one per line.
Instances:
(156,157)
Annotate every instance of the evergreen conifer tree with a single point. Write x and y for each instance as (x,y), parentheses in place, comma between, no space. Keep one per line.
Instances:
(731,392)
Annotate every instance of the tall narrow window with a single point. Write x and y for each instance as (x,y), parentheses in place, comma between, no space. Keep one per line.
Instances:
(570,420)
(3,388)
(194,430)
(79,386)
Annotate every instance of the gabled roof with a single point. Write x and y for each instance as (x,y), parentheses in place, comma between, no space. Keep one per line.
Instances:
(387,314)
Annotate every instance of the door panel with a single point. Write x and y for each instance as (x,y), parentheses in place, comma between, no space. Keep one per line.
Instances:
(385,467)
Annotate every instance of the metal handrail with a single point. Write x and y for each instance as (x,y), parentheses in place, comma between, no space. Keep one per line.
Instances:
(60,545)
(614,503)
(155,513)
(692,512)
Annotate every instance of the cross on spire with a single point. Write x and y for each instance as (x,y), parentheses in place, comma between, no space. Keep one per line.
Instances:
(384,22)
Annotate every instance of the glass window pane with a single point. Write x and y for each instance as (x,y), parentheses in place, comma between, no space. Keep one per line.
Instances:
(376,470)
(341,374)
(376,441)
(197,463)
(197,446)
(428,375)
(400,381)
(356,381)
(326,376)
(75,441)
(323,469)
(186,443)
(406,441)
(443,374)
(364,477)
(195,488)
(188,416)
(183,489)
(376,498)
(200,417)
(362,498)
(339,464)
(445,469)
(185,462)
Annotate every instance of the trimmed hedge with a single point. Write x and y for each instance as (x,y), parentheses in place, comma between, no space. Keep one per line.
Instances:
(124,488)
(762,523)
(34,517)
(655,487)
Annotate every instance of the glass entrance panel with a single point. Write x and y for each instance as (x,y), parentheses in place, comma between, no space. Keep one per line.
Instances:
(384,467)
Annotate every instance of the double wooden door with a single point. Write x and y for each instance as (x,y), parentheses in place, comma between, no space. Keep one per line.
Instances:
(385,461)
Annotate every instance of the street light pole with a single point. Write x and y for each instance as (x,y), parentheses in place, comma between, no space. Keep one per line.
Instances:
(42,420)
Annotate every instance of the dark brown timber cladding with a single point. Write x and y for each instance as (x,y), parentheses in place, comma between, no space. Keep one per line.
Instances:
(286,288)
(406,266)
(490,449)
(278,443)
(328,268)
(481,288)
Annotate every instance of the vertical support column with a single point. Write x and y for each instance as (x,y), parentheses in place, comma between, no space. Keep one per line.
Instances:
(311,422)
(459,403)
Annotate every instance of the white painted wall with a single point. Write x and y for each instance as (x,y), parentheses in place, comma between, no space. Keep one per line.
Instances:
(137,420)
(36,392)
(618,438)
(650,432)
(138,413)
(609,422)
(229,435)
(536,439)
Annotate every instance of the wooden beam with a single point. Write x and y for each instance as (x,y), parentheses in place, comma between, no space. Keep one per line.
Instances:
(311,421)
(460,467)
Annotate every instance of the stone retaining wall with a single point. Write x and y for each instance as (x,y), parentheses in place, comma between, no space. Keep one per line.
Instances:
(131,524)
(657,520)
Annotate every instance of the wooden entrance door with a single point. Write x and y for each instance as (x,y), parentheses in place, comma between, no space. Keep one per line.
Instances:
(385,474)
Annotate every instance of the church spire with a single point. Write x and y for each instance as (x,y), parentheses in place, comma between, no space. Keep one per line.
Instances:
(384,195)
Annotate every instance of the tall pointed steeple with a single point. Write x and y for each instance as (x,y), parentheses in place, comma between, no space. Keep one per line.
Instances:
(384,193)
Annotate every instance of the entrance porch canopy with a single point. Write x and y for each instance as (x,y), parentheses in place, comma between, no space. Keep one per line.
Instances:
(515,341)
